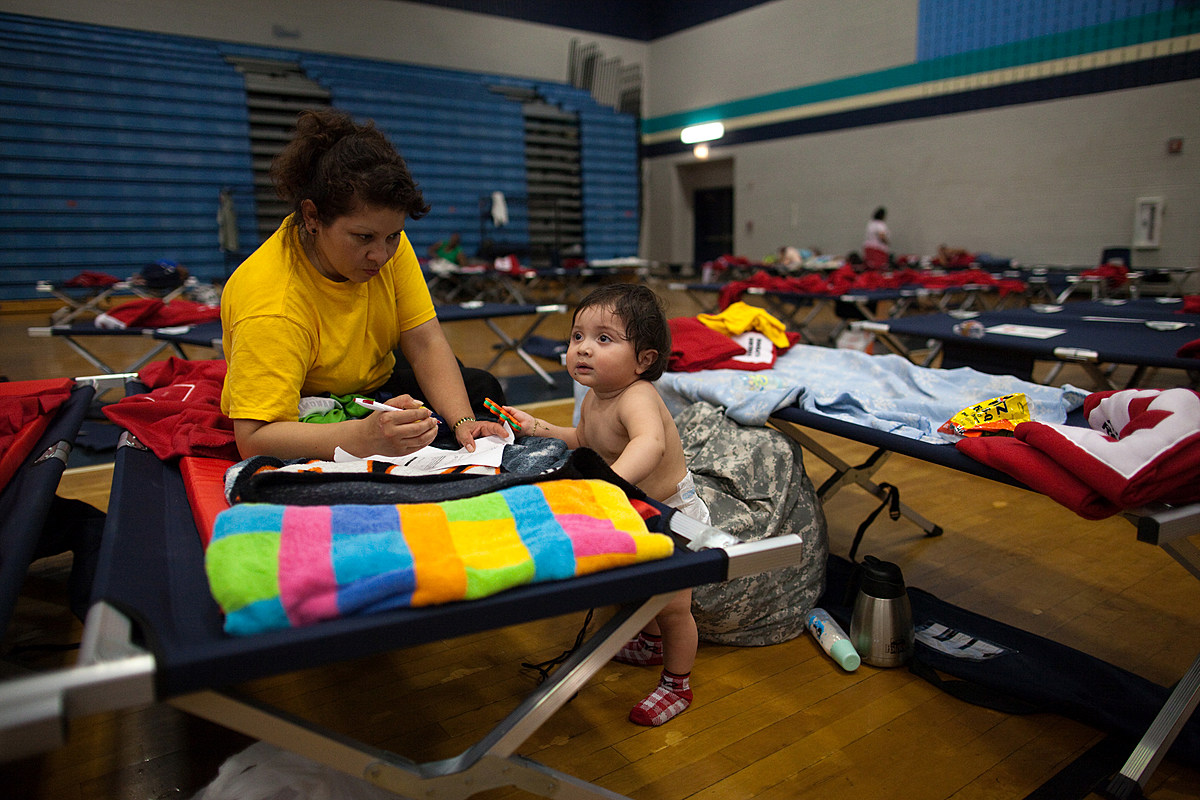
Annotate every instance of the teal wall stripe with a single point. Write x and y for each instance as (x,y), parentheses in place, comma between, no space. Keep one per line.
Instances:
(1181,21)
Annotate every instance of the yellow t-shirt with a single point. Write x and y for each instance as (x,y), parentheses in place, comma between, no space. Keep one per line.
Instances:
(290,332)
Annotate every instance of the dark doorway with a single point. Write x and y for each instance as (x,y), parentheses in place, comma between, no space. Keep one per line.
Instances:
(713,213)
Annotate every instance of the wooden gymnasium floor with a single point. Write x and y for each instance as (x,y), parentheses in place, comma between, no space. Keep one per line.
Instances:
(776,722)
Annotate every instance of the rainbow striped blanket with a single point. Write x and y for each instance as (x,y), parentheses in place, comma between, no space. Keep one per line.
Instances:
(278,566)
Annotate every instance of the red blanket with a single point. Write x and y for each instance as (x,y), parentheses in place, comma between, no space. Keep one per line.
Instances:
(695,347)
(1142,446)
(181,416)
(845,280)
(26,409)
(150,312)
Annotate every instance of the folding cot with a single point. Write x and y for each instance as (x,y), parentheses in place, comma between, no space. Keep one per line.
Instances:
(26,498)
(800,309)
(76,333)
(567,282)
(1167,281)
(208,334)
(154,633)
(884,402)
(203,334)
(84,300)
(1096,334)
(886,392)
(863,304)
(489,312)
(1168,527)
(1057,284)
(451,283)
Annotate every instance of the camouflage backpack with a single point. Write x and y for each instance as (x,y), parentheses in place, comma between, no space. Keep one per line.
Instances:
(755,486)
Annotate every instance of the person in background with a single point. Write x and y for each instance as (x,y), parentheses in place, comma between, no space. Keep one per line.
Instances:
(619,345)
(877,247)
(789,258)
(449,250)
(321,307)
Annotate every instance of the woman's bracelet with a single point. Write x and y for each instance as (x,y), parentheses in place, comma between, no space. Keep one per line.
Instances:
(461,421)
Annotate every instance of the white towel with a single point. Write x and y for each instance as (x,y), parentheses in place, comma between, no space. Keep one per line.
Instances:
(499,210)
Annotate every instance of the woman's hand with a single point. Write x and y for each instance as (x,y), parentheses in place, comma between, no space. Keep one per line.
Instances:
(400,432)
(468,432)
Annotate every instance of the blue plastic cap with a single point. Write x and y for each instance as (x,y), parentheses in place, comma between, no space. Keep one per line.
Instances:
(845,655)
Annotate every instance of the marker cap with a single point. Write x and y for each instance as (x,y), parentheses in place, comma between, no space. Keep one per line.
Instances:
(845,655)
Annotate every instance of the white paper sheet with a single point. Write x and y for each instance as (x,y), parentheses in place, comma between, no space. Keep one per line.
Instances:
(489,451)
(1026,331)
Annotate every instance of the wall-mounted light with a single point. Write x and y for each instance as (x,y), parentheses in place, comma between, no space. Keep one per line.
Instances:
(700,150)
(702,133)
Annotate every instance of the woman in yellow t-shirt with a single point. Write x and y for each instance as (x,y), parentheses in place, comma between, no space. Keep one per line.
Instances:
(323,304)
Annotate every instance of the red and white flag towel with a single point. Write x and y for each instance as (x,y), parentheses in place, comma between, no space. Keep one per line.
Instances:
(1142,446)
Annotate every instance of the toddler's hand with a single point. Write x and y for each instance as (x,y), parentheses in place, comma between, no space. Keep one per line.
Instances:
(525,420)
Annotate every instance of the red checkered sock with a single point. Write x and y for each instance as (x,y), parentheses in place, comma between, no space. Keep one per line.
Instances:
(671,698)
(643,650)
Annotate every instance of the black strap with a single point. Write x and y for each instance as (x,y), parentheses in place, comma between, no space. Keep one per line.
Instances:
(544,668)
(891,499)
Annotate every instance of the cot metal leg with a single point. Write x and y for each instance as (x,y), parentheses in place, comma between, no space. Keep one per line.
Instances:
(508,286)
(1159,737)
(488,764)
(96,362)
(111,674)
(514,345)
(845,474)
(883,333)
(1170,529)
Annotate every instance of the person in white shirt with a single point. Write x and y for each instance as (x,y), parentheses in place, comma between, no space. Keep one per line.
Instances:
(877,247)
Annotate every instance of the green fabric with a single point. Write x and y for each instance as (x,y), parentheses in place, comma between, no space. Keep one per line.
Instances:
(245,566)
(348,409)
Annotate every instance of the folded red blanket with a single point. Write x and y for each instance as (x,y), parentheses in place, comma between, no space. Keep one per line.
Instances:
(1141,446)
(695,347)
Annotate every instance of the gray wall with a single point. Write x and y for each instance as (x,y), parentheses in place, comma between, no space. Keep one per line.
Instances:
(1047,182)
(1041,183)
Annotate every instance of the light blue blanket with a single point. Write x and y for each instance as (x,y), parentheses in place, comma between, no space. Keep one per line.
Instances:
(886,392)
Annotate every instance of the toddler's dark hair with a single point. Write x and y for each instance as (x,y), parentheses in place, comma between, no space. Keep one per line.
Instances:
(644,316)
(340,165)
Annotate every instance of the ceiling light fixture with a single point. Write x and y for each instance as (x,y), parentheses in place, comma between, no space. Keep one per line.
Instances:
(702,133)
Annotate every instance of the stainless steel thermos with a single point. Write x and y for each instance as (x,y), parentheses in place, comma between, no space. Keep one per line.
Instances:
(881,627)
